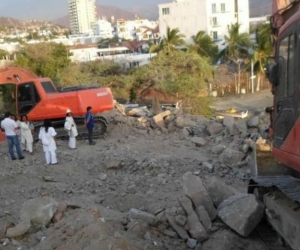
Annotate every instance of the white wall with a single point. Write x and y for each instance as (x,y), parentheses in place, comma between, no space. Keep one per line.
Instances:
(191,16)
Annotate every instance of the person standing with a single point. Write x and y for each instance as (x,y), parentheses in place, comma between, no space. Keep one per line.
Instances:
(47,136)
(10,127)
(26,133)
(89,123)
(70,126)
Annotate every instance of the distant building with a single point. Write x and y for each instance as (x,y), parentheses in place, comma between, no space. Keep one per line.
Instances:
(103,29)
(211,16)
(83,16)
(138,29)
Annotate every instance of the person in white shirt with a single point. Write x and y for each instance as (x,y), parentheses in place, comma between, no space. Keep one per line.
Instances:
(70,126)
(47,135)
(26,133)
(10,127)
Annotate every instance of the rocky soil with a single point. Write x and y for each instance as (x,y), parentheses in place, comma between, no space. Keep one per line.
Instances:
(159,179)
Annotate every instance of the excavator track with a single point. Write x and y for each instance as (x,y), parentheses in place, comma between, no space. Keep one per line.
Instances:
(270,237)
(99,129)
(288,185)
(281,196)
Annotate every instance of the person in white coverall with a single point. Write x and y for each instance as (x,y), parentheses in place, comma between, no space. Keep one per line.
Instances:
(70,126)
(26,133)
(47,136)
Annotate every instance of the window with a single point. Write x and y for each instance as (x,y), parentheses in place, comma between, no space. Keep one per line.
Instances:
(214,8)
(223,7)
(215,21)
(215,35)
(48,87)
(286,65)
(28,96)
(166,11)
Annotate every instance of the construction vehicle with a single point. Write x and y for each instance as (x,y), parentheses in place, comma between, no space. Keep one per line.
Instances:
(275,174)
(24,93)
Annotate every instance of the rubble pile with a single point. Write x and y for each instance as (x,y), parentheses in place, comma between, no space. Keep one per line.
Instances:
(159,179)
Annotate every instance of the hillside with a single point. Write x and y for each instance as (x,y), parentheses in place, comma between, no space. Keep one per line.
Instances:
(260,7)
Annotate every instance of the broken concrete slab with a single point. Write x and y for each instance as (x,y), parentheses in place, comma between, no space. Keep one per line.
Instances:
(195,190)
(159,119)
(219,190)
(249,210)
(178,229)
(203,217)
(143,216)
(196,229)
(186,204)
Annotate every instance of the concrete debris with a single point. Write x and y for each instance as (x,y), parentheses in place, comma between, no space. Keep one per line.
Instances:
(191,243)
(218,190)
(231,156)
(196,229)
(217,149)
(199,141)
(178,229)
(143,216)
(182,122)
(249,210)
(215,128)
(203,217)
(195,190)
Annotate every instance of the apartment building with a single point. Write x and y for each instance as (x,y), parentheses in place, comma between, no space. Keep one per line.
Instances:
(211,16)
(103,29)
(138,29)
(83,16)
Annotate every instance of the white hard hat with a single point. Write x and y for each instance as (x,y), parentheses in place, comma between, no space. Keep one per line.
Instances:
(68,111)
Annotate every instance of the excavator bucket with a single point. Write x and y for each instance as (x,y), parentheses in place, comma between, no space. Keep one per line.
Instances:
(262,162)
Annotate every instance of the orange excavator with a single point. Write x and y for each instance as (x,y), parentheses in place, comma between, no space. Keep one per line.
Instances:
(24,93)
(275,174)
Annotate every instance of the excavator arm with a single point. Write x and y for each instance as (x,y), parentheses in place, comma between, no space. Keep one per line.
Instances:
(15,75)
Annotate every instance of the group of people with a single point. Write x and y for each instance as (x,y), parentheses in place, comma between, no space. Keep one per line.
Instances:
(14,129)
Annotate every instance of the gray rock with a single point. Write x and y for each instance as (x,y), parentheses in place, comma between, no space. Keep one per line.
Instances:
(182,122)
(208,167)
(215,128)
(253,122)
(230,156)
(203,217)
(38,211)
(249,210)
(114,165)
(194,189)
(241,125)
(217,149)
(143,216)
(186,205)
(19,230)
(180,220)
(218,190)
(199,141)
(169,233)
(196,229)
(191,243)
(178,229)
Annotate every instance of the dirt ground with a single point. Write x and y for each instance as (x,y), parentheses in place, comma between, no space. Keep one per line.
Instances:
(148,177)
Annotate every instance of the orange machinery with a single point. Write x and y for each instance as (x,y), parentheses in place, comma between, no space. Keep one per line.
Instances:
(39,99)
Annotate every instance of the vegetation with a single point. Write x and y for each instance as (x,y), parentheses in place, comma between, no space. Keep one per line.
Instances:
(168,44)
(204,46)
(182,75)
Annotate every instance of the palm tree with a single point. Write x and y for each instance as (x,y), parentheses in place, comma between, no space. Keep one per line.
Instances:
(262,49)
(204,45)
(172,39)
(236,44)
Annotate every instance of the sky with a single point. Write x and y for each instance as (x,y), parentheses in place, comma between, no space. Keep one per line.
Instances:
(53,9)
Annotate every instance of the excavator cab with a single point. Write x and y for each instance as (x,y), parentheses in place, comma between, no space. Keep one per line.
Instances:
(27,97)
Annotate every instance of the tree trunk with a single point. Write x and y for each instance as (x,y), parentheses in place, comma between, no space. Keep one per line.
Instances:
(258,82)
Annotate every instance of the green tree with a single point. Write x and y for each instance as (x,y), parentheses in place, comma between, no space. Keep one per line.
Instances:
(204,45)
(236,44)
(45,59)
(184,76)
(262,49)
(172,39)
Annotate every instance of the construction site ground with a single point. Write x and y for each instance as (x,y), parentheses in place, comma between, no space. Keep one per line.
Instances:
(127,168)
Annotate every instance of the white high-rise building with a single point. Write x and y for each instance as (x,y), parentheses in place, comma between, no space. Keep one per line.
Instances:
(211,16)
(83,16)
